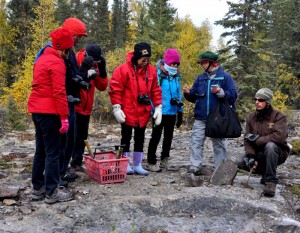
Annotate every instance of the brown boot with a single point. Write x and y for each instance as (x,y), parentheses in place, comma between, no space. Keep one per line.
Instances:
(270,189)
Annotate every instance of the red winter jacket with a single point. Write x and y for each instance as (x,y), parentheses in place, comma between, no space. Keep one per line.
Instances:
(48,94)
(126,86)
(87,96)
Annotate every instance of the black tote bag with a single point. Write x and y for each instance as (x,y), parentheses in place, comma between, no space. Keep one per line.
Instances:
(223,122)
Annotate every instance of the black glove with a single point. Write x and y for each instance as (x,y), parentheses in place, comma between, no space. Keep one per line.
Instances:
(102,67)
(251,137)
(73,100)
(179,119)
(91,74)
(87,63)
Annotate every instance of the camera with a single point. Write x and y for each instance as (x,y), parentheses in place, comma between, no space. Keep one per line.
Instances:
(176,101)
(73,100)
(83,84)
(144,99)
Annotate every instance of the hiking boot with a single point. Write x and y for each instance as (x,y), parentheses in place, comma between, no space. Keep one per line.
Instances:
(270,189)
(38,195)
(59,195)
(70,177)
(152,167)
(164,163)
(195,170)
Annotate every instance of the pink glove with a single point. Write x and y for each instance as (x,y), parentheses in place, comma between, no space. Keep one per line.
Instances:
(64,126)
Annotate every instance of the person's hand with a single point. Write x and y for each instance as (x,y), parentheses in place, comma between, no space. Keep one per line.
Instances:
(251,137)
(186,90)
(88,61)
(157,116)
(215,89)
(118,113)
(91,74)
(179,119)
(64,126)
(102,67)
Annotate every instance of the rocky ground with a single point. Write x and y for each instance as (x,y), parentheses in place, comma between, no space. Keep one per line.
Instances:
(169,201)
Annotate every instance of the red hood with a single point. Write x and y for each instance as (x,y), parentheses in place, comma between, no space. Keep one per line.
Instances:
(129,55)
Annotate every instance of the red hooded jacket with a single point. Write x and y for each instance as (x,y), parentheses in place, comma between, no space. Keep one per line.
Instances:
(48,94)
(125,87)
(87,96)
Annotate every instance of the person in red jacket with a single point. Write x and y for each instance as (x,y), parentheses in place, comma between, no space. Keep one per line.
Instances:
(49,107)
(135,93)
(93,70)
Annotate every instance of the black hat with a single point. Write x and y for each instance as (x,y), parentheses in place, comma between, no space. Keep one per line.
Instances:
(142,49)
(94,51)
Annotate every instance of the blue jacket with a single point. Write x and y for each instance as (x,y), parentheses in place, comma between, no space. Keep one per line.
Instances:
(205,100)
(171,88)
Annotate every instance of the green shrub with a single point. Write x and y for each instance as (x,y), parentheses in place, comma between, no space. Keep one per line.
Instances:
(296,147)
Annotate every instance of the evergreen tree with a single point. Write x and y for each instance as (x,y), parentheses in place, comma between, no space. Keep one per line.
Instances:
(98,25)
(161,25)
(117,32)
(62,11)
(6,46)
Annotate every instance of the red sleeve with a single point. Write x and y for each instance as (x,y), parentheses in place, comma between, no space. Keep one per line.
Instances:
(116,86)
(156,92)
(101,83)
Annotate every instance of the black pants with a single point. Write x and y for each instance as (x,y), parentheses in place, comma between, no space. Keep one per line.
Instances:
(82,125)
(167,125)
(268,159)
(45,168)
(139,137)
(68,142)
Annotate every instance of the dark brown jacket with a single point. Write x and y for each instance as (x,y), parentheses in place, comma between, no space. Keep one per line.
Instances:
(271,126)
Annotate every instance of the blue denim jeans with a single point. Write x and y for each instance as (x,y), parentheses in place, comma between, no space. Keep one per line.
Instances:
(45,169)
(68,142)
(197,141)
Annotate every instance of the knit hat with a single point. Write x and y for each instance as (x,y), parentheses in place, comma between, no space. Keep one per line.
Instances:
(94,51)
(265,94)
(208,56)
(142,49)
(62,39)
(171,56)
(75,26)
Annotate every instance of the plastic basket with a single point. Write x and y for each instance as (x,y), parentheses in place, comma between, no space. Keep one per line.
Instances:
(105,168)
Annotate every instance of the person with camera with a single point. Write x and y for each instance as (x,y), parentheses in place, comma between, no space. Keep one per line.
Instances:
(135,93)
(92,66)
(265,140)
(74,82)
(169,81)
(210,86)
(49,108)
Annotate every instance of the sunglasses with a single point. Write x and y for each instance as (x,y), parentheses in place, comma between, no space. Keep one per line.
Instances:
(259,100)
(175,64)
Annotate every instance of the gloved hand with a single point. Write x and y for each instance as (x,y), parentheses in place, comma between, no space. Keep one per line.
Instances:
(251,137)
(157,114)
(179,119)
(249,160)
(91,74)
(102,67)
(87,63)
(64,126)
(118,113)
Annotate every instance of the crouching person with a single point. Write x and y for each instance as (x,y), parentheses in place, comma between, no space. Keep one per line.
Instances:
(265,140)
(134,93)
(49,107)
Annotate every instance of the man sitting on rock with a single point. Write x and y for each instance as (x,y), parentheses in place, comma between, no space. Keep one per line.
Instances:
(265,140)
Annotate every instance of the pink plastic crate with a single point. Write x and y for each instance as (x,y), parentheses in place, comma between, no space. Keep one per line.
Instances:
(105,168)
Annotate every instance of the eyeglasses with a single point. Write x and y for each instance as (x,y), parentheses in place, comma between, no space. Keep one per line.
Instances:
(259,100)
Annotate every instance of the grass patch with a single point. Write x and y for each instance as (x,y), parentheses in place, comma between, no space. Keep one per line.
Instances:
(295,189)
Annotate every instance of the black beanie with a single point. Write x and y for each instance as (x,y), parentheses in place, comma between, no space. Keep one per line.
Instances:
(142,49)
(94,51)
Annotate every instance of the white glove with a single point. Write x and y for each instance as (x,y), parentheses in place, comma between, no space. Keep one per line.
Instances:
(92,73)
(157,114)
(118,113)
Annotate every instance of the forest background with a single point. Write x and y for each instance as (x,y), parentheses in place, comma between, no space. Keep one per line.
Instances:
(263,48)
